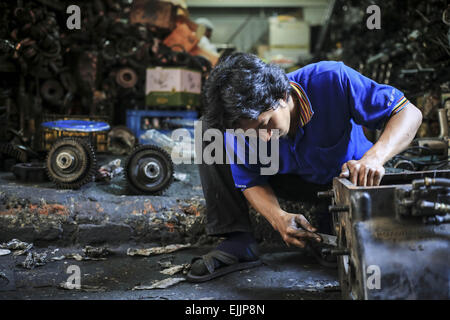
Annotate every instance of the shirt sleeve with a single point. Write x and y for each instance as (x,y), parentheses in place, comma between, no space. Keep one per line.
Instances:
(244,175)
(371,104)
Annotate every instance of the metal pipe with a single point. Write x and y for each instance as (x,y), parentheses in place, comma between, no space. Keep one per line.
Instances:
(435,206)
(416,184)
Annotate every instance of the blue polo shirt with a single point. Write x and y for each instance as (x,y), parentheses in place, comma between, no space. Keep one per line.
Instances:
(336,101)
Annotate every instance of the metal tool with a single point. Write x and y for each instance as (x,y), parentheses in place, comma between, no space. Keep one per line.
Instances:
(328,239)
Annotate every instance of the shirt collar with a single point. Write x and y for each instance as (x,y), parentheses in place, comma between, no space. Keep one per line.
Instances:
(306,111)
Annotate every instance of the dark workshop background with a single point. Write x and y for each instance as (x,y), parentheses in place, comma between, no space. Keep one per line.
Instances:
(49,72)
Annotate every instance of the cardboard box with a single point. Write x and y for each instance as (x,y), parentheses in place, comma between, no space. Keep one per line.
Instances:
(172,87)
(288,33)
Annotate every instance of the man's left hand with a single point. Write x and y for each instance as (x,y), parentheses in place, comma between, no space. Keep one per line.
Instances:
(364,172)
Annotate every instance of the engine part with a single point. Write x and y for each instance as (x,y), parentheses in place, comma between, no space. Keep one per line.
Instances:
(13,151)
(148,170)
(386,255)
(121,140)
(71,163)
(65,71)
(428,197)
(52,91)
(126,78)
(410,53)
(30,172)
(405,165)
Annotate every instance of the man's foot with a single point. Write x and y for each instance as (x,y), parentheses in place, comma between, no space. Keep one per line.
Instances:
(239,251)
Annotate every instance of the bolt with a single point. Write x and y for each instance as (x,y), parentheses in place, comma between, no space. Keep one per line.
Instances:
(338,208)
(325,194)
(336,252)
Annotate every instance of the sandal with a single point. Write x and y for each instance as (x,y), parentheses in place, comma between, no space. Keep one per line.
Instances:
(230,261)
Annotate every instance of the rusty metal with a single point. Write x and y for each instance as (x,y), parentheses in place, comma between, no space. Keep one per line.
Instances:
(409,246)
(71,163)
(98,70)
(126,78)
(30,172)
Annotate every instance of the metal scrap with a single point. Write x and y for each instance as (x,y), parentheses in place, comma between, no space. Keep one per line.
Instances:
(157,250)
(175,269)
(97,71)
(163,284)
(79,257)
(58,258)
(86,288)
(34,259)
(4,252)
(96,252)
(109,171)
(15,244)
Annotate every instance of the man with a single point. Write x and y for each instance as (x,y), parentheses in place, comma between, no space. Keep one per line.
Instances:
(205,41)
(319,111)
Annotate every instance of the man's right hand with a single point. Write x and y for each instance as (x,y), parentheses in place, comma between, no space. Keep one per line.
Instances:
(295,229)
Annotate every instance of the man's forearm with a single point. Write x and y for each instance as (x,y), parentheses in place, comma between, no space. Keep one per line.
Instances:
(293,228)
(263,200)
(397,135)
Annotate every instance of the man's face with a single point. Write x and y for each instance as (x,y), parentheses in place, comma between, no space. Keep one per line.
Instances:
(279,118)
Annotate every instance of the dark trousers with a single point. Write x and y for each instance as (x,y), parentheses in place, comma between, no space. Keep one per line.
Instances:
(226,206)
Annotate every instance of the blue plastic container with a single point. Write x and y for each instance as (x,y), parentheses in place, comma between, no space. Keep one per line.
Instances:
(76,125)
(139,121)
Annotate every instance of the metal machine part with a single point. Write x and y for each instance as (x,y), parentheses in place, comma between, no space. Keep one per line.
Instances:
(71,163)
(13,151)
(428,197)
(30,172)
(126,78)
(121,140)
(390,251)
(148,170)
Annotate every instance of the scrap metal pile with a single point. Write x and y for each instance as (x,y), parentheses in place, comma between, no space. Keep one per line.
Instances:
(97,71)
(410,51)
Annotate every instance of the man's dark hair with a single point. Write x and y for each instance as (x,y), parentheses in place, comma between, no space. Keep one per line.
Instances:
(242,86)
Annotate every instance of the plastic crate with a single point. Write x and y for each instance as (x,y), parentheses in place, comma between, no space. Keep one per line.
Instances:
(139,121)
(99,140)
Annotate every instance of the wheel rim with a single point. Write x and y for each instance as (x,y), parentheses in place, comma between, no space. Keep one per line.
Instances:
(68,162)
(149,170)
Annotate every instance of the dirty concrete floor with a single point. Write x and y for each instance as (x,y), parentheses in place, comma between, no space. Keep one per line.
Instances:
(285,275)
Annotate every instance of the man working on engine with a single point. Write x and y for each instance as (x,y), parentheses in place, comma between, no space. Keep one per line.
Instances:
(319,111)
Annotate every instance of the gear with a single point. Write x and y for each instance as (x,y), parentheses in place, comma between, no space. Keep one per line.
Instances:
(71,163)
(148,170)
(13,151)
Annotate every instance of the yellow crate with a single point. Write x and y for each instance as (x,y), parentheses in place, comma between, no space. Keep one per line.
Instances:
(99,140)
